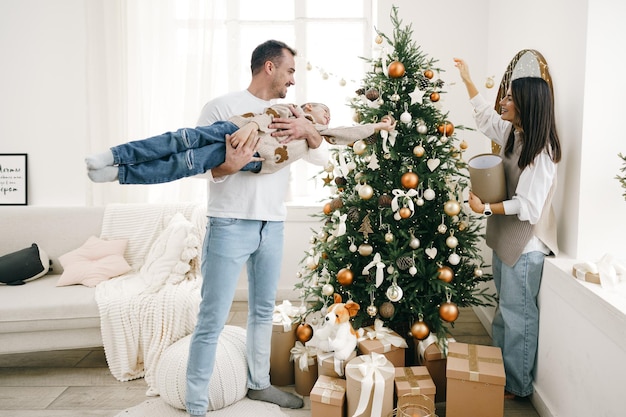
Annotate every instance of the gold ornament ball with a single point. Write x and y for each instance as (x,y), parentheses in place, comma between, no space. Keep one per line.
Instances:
(446,127)
(434,97)
(449,311)
(404,212)
(359,147)
(345,277)
(452,208)
(490,82)
(396,69)
(378,39)
(420,330)
(452,242)
(478,272)
(388,237)
(304,332)
(327,209)
(409,180)
(372,310)
(386,310)
(429,74)
(365,249)
(463,145)
(445,273)
(418,151)
(366,192)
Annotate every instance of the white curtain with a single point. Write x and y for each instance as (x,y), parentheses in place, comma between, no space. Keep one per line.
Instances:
(152,64)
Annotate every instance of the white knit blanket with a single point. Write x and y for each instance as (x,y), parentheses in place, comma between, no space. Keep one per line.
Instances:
(141,318)
(158,408)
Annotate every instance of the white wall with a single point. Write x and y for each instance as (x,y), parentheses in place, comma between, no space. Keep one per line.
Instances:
(43,95)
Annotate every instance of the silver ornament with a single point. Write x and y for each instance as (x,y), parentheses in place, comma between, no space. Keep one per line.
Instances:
(442,228)
(394,292)
(414,243)
(372,310)
(388,237)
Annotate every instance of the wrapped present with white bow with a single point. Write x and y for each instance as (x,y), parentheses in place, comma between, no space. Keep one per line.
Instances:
(283,339)
(607,272)
(383,340)
(369,386)
(329,365)
(328,397)
(305,372)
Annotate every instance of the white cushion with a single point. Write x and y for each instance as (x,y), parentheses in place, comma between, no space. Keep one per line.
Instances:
(230,374)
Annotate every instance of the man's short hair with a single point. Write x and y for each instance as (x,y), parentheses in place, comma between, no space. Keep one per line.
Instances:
(271,50)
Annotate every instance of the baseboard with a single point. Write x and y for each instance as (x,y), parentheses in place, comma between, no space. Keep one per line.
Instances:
(540,404)
(485,315)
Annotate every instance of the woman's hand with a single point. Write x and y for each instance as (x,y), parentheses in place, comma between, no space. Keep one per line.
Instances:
(476,203)
(245,134)
(465,76)
(387,123)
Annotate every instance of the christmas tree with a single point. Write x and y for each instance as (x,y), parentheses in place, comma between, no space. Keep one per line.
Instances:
(395,237)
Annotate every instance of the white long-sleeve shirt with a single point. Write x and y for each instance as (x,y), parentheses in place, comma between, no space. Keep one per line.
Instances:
(535,180)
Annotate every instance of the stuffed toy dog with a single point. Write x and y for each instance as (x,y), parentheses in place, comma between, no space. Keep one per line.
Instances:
(336,333)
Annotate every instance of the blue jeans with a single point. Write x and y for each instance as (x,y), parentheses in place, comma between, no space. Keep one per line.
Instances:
(515,325)
(229,243)
(174,155)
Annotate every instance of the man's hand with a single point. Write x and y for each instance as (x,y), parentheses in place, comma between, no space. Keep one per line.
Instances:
(237,157)
(296,128)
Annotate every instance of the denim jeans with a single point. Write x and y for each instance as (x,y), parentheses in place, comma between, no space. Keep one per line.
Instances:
(515,327)
(229,243)
(174,155)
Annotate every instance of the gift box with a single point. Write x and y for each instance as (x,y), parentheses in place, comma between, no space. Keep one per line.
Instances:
(475,381)
(305,372)
(283,339)
(328,397)
(582,274)
(369,386)
(433,358)
(328,365)
(382,340)
(413,382)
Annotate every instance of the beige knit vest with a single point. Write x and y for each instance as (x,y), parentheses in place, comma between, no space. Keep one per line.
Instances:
(507,235)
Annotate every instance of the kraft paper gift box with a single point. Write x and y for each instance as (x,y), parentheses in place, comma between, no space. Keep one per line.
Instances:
(475,381)
(411,383)
(434,359)
(328,365)
(381,339)
(369,386)
(283,339)
(328,397)
(305,372)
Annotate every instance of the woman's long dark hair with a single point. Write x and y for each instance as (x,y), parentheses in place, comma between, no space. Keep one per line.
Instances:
(535,115)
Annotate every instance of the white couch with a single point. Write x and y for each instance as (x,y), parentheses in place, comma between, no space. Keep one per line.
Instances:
(38,315)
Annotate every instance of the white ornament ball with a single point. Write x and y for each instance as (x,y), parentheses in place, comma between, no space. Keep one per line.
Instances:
(412,271)
(429,194)
(414,243)
(328,290)
(394,293)
(422,129)
(419,201)
(454,258)
(352,248)
(366,192)
(478,272)
(405,117)
(452,242)
(359,147)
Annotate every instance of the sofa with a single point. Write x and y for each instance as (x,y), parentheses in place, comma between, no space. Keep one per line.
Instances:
(41,316)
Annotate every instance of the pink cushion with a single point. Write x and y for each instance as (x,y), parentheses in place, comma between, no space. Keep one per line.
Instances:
(96,261)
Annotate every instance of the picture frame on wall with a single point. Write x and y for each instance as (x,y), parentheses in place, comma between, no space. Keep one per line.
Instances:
(13,179)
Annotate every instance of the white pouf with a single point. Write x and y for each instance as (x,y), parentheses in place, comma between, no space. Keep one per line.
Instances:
(230,374)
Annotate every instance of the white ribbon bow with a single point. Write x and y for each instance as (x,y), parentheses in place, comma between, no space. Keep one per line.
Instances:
(404,196)
(372,382)
(380,269)
(337,363)
(304,355)
(340,230)
(328,388)
(283,314)
(385,336)
(388,137)
(343,165)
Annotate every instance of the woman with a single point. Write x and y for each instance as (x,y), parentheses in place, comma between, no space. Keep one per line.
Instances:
(522,229)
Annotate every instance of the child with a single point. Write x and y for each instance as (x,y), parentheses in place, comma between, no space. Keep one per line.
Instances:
(188,152)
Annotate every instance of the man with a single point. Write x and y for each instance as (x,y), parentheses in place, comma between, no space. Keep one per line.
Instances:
(246,214)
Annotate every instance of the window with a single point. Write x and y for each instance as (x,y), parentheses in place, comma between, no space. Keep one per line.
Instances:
(330,38)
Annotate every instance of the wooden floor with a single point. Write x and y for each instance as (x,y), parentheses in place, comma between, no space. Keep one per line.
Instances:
(73,383)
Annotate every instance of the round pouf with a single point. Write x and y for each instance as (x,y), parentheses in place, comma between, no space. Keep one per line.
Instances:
(230,374)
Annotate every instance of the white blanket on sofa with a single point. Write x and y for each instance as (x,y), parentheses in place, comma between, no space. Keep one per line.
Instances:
(144,312)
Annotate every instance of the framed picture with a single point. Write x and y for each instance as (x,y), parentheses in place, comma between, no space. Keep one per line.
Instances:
(13,184)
